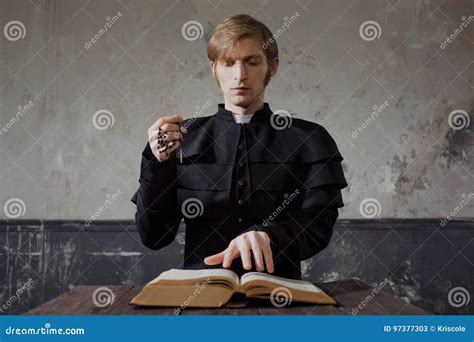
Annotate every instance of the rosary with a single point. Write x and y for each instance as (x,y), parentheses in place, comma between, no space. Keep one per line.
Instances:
(164,146)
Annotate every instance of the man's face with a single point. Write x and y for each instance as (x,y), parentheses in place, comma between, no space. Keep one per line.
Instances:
(244,72)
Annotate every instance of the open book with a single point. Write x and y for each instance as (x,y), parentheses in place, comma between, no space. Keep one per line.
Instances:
(219,287)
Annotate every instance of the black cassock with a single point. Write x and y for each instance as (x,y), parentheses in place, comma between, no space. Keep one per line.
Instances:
(234,178)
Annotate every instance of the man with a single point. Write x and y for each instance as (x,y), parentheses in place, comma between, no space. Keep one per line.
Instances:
(254,196)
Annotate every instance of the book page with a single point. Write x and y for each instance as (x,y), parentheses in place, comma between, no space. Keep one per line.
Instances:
(290,283)
(178,274)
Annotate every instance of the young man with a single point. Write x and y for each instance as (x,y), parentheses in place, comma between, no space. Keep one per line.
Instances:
(254,196)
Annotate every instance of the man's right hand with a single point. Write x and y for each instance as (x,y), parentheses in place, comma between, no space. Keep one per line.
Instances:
(165,136)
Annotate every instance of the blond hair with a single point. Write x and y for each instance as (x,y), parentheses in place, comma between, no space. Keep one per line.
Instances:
(236,27)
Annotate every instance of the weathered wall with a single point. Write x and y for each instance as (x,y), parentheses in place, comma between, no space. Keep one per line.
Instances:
(408,158)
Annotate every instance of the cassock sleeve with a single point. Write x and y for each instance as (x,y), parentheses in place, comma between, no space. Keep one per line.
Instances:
(308,228)
(301,236)
(158,215)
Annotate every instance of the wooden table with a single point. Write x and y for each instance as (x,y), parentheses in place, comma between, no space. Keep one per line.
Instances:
(348,293)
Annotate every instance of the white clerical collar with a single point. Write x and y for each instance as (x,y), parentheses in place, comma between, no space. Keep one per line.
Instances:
(242,118)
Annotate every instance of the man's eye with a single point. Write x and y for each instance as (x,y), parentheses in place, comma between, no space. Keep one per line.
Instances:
(254,62)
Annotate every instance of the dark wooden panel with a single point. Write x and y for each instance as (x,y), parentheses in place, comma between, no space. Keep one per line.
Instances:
(419,260)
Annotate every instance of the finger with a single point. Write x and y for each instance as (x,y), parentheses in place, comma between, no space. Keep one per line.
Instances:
(244,248)
(232,253)
(152,135)
(174,146)
(172,136)
(170,127)
(166,119)
(170,147)
(164,138)
(156,133)
(165,151)
(257,252)
(268,255)
(215,259)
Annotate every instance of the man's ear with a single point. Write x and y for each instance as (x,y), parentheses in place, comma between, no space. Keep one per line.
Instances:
(212,65)
(274,66)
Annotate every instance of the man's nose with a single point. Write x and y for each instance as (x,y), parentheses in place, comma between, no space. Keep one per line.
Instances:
(240,72)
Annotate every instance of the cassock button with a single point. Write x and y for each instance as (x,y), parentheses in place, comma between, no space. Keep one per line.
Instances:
(241,164)
(241,220)
(241,183)
(240,202)
(241,145)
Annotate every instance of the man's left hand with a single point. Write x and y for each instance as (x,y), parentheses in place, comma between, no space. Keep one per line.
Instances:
(257,243)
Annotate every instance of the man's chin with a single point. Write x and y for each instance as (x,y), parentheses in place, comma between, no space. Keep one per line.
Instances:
(241,100)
